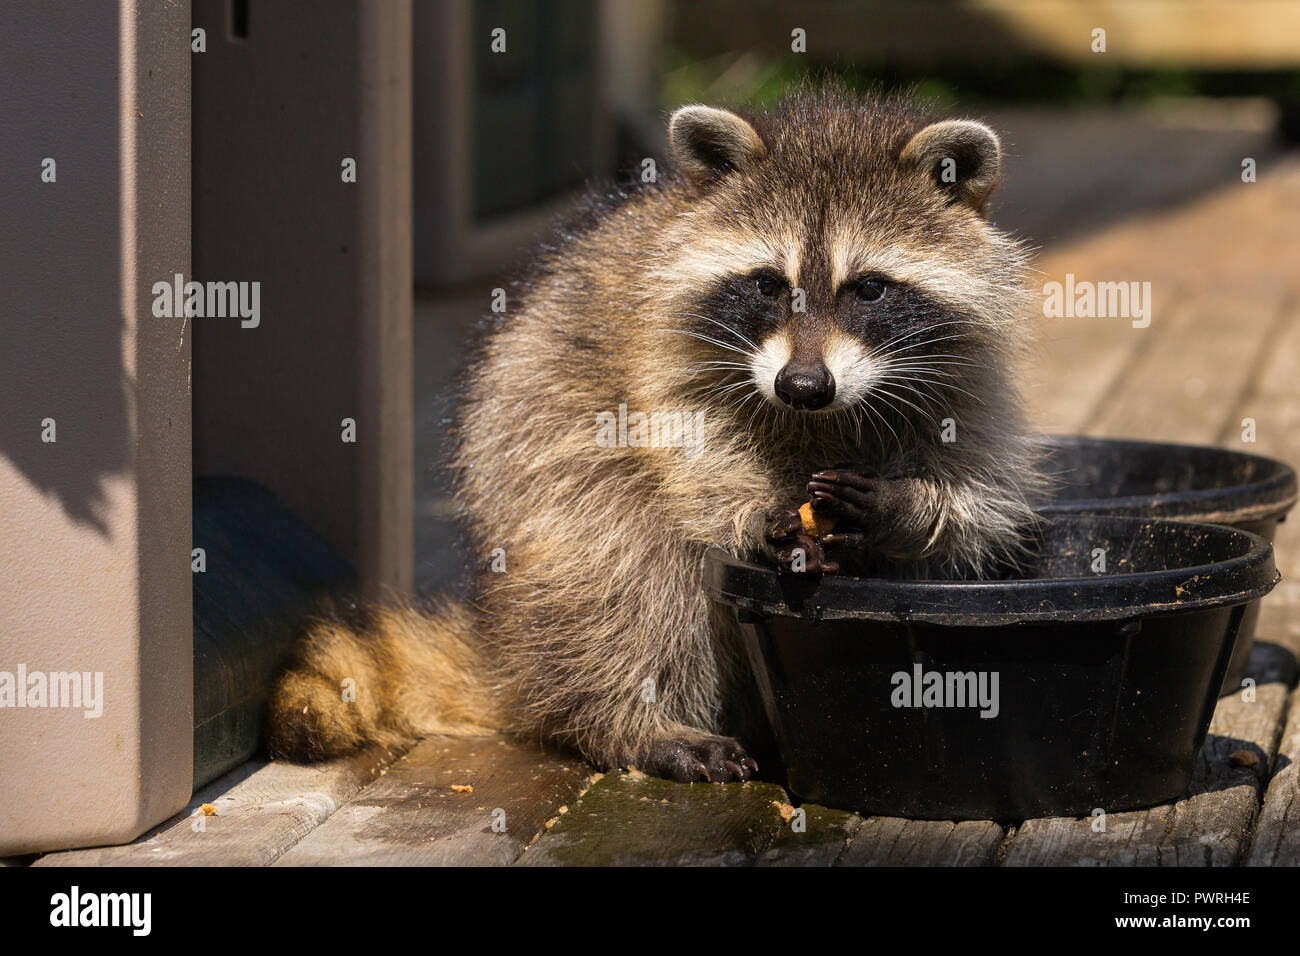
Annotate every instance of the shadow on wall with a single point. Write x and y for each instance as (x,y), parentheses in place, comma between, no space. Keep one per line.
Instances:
(62,373)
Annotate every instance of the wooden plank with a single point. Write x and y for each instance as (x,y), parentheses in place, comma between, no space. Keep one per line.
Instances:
(1277,837)
(1226,258)
(413,816)
(1079,361)
(1079,366)
(262,809)
(1187,387)
(825,837)
(1274,405)
(1125,165)
(839,838)
(1261,34)
(1279,615)
(1209,827)
(891,841)
(629,819)
(1207,34)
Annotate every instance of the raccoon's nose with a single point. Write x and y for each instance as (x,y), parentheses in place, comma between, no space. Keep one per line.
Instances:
(805,387)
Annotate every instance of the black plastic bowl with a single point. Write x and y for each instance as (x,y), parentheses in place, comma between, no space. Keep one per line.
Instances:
(1105,681)
(1188,482)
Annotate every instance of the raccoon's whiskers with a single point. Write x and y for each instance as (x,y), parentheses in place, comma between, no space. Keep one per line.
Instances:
(900,383)
(857,424)
(918,361)
(949,385)
(746,396)
(717,366)
(898,398)
(881,356)
(917,331)
(726,328)
(712,341)
(749,424)
(872,410)
(919,373)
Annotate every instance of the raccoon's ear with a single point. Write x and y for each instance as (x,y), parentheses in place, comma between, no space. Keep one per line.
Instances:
(963,158)
(707,142)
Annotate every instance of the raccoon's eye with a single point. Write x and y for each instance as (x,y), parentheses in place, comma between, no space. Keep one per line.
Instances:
(871,290)
(767,285)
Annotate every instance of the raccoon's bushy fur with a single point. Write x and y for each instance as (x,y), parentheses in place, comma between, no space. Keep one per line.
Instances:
(598,635)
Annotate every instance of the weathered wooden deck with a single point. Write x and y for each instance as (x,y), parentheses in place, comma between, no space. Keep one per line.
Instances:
(1223,345)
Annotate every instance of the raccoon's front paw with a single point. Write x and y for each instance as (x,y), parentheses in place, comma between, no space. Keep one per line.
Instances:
(706,759)
(790,547)
(871,514)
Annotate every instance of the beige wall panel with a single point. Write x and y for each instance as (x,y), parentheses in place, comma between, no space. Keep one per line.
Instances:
(95,526)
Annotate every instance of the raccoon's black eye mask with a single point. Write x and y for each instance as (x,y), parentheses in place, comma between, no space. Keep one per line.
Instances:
(751,304)
(770,285)
(870,288)
(872,306)
(762,289)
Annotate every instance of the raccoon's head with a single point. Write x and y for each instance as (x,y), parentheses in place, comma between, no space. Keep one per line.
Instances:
(836,253)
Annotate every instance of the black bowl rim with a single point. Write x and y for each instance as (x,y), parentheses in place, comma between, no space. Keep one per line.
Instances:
(1104,597)
(1270,497)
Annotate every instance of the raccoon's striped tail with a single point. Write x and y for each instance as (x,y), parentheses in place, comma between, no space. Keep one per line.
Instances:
(388,675)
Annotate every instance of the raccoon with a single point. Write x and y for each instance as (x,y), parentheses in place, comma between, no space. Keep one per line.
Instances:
(816,294)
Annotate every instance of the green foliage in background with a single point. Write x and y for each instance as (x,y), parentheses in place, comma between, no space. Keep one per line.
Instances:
(751,78)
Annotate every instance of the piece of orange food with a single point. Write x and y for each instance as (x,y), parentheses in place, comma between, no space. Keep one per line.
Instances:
(815,525)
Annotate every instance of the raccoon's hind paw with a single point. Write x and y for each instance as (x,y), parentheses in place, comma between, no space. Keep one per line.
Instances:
(790,547)
(703,759)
